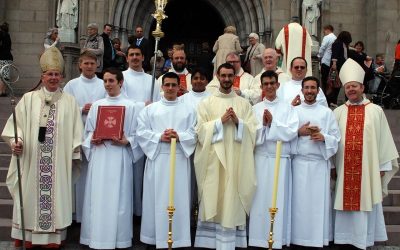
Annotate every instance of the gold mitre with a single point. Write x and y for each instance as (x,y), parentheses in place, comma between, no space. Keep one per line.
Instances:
(52,59)
(351,71)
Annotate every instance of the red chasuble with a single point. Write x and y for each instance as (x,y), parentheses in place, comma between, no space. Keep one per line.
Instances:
(110,122)
(353,157)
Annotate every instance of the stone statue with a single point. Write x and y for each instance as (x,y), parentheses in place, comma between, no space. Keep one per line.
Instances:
(311,13)
(67,19)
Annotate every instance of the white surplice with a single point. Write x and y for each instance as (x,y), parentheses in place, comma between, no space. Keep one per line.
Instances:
(193,98)
(85,91)
(284,128)
(107,210)
(137,87)
(379,153)
(153,120)
(292,88)
(311,196)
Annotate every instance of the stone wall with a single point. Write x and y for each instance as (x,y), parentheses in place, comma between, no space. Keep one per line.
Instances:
(29,21)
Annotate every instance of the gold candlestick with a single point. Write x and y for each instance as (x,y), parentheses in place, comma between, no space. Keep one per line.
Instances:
(272,211)
(171,210)
(159,15)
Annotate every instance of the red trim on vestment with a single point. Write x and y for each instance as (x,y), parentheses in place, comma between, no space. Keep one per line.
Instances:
(303,48)
(353,149)
(286,31)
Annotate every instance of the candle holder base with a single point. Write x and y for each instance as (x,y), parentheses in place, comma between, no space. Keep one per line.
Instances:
(171,210)
(272,211)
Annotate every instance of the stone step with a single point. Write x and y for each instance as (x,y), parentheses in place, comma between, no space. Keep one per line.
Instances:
(393,232)
(6,208)
(5,160)
(392,215)
(4,148)
(5,229)
(3,173)
(394,184)
(393,198)
(4,193)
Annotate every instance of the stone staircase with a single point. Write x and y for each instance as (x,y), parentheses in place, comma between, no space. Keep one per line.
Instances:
(391,203)
(6,203)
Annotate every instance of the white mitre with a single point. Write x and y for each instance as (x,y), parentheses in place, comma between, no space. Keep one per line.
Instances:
(351,71)
(52,59)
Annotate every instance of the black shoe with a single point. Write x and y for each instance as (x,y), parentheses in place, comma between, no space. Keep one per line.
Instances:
(3,95)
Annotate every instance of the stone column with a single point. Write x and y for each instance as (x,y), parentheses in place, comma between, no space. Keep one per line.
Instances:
(71,57)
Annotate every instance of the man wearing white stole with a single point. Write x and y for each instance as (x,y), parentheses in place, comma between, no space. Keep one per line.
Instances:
(277,121)
(318,139)
(87,88)
(365,163)
(137,87)
(224,165)
(157,124)
(107,222)
(50,129)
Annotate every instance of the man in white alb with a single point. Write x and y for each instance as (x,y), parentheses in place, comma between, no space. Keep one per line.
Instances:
(87,88)
(317,142)
(277,121)
(157,124)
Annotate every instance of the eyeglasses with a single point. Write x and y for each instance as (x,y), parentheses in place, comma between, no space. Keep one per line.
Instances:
(268,83)
(299,67)
(168,85)
(232,62)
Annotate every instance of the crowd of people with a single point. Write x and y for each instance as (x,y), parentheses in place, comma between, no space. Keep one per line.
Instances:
(334,165)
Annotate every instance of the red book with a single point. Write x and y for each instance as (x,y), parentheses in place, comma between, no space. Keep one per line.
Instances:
(110,122)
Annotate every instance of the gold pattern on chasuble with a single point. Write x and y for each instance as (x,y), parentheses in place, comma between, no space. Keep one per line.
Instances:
(353,157)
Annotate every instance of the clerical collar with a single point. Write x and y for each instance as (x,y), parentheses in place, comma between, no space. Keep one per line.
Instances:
(273,101)
(297,82)
(363,101)
(85,79)
(114,98)
(198,93)
(134,72)
(309,105)
(170,103)
(223,95)
(183,72)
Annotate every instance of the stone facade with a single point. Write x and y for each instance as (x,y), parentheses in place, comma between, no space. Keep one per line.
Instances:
(376,22)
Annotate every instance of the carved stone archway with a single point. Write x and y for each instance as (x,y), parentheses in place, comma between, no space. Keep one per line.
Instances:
(247,16)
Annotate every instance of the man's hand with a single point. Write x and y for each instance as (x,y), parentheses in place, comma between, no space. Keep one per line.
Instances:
(17,149)
(226,116)
(168,134)
(303,130)
(234,118)
(97,141)
(121,142)
(317,137)
(237,91)
(86,108)
(267,118)
(296,101)
(174,134)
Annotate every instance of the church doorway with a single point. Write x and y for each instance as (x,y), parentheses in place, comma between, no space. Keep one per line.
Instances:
(192,23)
